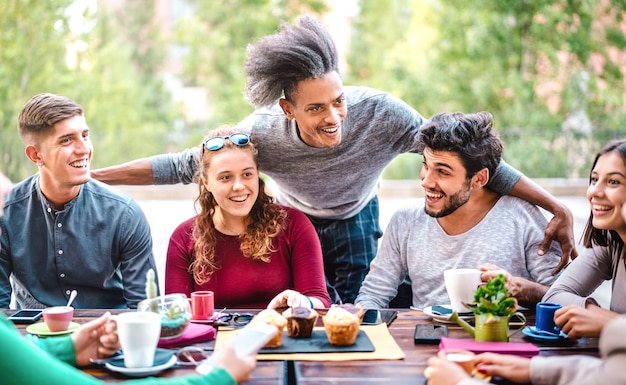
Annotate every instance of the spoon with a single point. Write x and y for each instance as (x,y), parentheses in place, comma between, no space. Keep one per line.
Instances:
(72,296)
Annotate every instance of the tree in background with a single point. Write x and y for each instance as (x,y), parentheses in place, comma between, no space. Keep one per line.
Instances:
(215,40)
(548,71)
(31,30)
(58,47)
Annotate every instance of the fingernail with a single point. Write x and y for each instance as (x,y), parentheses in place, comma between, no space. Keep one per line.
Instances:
(482,370)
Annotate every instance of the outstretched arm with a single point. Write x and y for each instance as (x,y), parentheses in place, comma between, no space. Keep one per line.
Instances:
(561,226)
(135,172)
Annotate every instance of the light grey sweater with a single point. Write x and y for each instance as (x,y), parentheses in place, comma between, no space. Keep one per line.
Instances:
(583,276)
(415,244)
(331,183)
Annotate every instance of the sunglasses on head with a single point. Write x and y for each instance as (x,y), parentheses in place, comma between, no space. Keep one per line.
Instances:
(217,142)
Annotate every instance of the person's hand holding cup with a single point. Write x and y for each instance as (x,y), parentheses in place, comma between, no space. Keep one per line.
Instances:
(461,357)
(461,285)
(58,318)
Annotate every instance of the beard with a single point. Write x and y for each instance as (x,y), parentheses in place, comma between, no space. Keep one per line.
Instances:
(455,201)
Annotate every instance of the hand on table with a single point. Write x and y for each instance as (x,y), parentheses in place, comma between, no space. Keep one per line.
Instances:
(289,298)
(443,372)
(512,368)
(95,339)
(578,322)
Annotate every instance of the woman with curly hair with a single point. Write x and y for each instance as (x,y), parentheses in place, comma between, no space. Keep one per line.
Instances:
(242,246)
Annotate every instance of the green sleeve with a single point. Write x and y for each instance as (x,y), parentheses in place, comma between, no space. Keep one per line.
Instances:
(24,362)
(62,348)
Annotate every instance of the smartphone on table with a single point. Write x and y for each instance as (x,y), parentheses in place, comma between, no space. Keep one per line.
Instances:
(429,333)
(376,316)
(26,316)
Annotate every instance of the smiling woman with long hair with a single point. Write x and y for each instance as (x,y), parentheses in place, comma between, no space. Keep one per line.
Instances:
(604,256)
(248,250)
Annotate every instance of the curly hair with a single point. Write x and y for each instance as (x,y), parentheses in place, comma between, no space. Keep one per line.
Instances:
(277,63)
(265,221)
(471,136)
(605,237)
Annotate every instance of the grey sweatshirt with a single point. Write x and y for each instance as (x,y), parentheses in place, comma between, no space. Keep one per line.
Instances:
(331,183)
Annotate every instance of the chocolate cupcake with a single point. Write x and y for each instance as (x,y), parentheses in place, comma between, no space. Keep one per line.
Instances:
(300,321)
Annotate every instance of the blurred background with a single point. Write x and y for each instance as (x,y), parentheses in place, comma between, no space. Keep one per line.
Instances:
(155,75)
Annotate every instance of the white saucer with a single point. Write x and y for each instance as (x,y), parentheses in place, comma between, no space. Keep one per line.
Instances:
(141,372)
(445,318)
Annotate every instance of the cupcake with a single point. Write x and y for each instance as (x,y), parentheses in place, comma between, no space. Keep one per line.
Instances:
(341,326)
(353,309)
(300,321)
(272,317)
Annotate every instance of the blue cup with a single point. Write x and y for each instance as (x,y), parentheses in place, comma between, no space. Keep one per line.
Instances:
(544,320)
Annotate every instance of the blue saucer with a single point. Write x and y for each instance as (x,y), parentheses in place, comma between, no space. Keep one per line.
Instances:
(533,333)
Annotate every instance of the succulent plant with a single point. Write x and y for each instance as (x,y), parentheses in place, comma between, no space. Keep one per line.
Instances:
(493,298)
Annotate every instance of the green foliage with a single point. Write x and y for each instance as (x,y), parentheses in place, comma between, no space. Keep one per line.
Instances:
(493,298)
(111,75)
(214,39)
(532,64)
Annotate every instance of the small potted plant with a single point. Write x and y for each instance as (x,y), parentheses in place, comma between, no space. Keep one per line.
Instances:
(174,309)
(492,307)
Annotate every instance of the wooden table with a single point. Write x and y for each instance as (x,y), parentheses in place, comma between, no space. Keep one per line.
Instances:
(266,372)
(409,370)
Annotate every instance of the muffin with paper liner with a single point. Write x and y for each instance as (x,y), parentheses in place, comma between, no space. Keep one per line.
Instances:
(341,326)
(355,309)
(274,318)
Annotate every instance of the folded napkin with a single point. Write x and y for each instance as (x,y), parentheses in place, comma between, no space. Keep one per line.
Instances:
(194,333)
(523,349)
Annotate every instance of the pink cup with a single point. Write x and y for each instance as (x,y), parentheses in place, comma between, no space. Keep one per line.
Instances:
(202,305)
(58,318)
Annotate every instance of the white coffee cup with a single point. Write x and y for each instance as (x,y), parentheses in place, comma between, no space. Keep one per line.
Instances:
(139,334)
(461,285)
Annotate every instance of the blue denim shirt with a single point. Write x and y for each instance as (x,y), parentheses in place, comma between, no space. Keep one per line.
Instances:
(99,244)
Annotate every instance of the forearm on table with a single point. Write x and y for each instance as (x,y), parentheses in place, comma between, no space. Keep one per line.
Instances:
(136,172)
(527,292)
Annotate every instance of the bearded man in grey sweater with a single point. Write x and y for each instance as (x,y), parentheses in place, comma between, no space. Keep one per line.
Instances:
(460,223)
